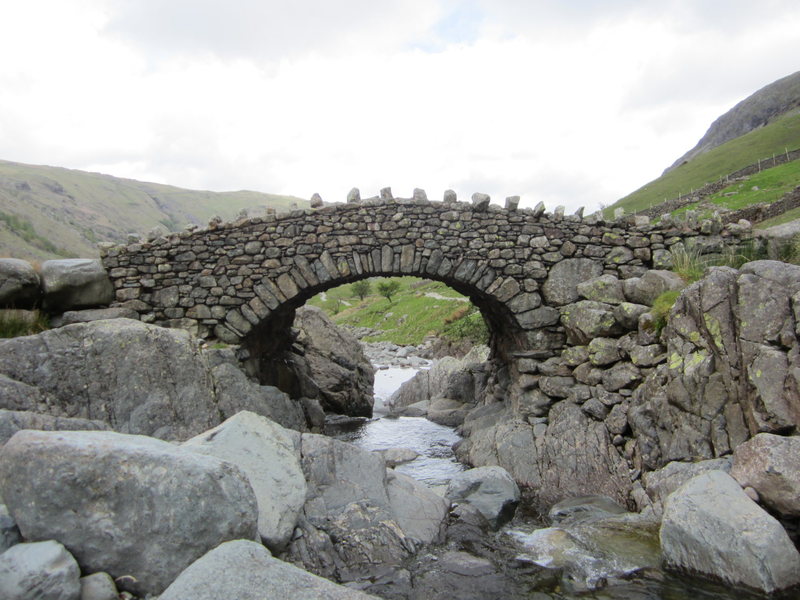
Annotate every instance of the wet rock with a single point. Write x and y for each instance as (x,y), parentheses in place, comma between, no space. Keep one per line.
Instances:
(582,509)
(445,411)
(701,531)
(39,571)
(771,465)
(398,456)
(93,492)
(489,489)
(596,552)
(246,571)
(337,364)
(98,586)
(461,575)
(75,283)
(269,456)
(19,284)
(417,509)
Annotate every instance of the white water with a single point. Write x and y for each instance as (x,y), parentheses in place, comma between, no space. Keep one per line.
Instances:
(436,463)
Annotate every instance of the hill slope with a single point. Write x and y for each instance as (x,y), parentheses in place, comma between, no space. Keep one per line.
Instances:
(774,139)
(47,212)
(760,109)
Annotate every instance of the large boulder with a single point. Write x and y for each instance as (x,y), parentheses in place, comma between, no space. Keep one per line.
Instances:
(126,505)
(358,517)
(19,284)
(771,465)
(12,421)
(337,364)
(661,483)
(39,571)
(731,368)
(269,455)
(710,526)
(235,393)
(571,455)
(245,570)
(489,489)
(139,378)
(586,320)
(75,283)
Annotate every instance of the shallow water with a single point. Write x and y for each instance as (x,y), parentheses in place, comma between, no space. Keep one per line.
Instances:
(437,464)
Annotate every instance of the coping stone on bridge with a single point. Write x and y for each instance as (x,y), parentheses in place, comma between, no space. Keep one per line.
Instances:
(512,203)
(316,201)
(480,201)
(450,197)
(354,196)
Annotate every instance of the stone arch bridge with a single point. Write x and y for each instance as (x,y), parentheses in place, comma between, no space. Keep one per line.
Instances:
(241,282)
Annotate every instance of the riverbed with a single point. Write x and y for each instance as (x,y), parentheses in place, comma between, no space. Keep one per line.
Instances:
(437,464)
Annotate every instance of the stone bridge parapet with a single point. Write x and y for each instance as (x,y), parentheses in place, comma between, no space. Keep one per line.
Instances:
(240,280)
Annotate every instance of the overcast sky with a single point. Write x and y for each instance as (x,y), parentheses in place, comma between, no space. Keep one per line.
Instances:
(574,103)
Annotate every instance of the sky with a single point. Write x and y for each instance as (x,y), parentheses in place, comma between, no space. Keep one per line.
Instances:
(573,103)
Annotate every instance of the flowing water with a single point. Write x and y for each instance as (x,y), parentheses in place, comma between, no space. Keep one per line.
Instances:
(437,464)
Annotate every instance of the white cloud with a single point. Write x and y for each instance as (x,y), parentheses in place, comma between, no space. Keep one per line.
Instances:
(570,106)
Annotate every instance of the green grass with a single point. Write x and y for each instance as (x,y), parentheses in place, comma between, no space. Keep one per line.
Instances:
(761,143)
(410,316)
(767,186)
(16,323)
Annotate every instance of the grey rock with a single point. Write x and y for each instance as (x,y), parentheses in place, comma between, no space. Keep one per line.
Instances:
(98,586)
(648,356)
(661,483)
(316,201)
(246,571)
(235,393)
(771,465)
(418,510)
(461,575)
(701,531)
(20,286)
(595,409)
(449,197)
(353,196)
(586,320)
(491,490)
(54,484)
(652,284)
(71,284)
(269,456)
(12,421)
(9,532)
(448,412)
(337,364)
(627,314)
(39,571)
(603,351)
(93,314)
(398,456)
(140,378)
(480,201)
(583,509)
(561,286)
(605,288)
(621,375)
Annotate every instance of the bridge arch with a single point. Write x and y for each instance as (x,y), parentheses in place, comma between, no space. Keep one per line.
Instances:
(241,282)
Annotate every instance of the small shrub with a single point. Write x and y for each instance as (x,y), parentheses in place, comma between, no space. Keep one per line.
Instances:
(389,288)
(661,307)
(688,264)
(362,288)
(471,326)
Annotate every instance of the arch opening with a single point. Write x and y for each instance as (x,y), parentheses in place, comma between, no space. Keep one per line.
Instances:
(274,356)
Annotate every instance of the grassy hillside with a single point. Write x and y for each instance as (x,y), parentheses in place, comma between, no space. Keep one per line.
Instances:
(759,144)
(47,212)
(419,308)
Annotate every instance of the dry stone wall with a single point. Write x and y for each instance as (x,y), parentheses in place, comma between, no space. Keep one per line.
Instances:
(234,281)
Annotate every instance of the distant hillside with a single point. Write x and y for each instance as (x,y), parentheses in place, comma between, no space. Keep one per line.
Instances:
(761,144)
(47,212)
(762,108)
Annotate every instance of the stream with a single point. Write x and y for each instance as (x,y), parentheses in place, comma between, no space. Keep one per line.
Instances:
(436,464)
